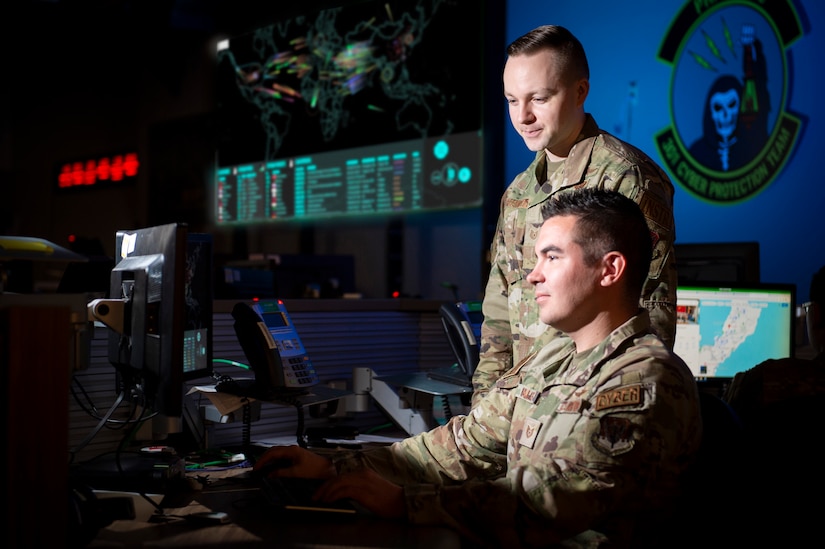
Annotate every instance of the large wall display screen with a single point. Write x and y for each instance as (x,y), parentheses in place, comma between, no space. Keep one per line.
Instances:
(370,108)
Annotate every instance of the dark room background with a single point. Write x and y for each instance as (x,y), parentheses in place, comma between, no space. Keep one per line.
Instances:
(88,79)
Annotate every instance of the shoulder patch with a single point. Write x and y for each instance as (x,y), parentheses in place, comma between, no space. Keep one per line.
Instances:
(615,436)
(656,210)
(621,396)
(516,203)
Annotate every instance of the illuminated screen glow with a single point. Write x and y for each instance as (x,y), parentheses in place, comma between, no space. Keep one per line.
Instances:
(373,108)
(721,331)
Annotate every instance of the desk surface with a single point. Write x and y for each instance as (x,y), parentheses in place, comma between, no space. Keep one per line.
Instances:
(255,523)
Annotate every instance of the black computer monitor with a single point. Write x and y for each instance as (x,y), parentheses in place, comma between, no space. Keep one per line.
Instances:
(160,312)
(197,305)
(713,262)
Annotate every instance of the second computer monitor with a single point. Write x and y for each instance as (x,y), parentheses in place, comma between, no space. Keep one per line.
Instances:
(723,330)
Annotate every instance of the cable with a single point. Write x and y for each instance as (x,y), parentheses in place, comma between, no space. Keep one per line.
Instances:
(445,404)
(231,363)
(381,427)
(91,409)
(99,426)
(128,437)
(247,425)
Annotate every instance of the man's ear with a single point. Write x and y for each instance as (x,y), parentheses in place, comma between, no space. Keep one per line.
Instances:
(582,89)
(613,268)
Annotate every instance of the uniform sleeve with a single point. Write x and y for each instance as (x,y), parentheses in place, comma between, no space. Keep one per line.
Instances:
(466,447)
(659,290)
(496,352)
(453,471)
(617,460)
(652,190)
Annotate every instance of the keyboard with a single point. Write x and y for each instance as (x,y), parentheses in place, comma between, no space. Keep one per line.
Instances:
(295,494)
(454,374)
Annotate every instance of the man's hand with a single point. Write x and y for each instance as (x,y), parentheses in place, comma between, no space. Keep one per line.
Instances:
(380,496)
(293,461)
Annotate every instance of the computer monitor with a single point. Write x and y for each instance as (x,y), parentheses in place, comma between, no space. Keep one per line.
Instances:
(721,331)
(197,304)
(707,263)
(160,314)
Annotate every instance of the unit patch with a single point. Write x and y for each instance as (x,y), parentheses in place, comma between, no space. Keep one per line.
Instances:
(615,436)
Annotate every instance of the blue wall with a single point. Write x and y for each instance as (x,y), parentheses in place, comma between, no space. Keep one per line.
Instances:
(622,40)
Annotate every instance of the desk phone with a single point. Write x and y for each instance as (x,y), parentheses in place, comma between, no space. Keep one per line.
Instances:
(462,324)
(271,344)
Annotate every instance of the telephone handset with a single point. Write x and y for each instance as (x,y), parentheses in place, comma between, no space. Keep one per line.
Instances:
(462,323)
(272,346)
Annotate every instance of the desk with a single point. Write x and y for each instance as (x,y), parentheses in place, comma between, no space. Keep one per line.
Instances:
(254,523)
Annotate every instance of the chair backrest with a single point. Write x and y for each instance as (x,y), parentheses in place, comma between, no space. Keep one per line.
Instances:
(713,489)
(782,468)
(722,439)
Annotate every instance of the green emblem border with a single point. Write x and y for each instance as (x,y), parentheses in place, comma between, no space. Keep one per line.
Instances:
(711,185)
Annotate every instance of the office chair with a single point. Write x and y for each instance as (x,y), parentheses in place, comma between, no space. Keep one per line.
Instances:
(782,407)
(711,510)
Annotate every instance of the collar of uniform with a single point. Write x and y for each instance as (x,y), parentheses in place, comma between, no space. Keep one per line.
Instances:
(588,362)
(574,166)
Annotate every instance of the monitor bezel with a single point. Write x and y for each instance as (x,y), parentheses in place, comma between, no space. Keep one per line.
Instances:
(699,263)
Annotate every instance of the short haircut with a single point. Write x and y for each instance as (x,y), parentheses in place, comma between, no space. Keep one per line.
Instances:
(607,221)
(558,39)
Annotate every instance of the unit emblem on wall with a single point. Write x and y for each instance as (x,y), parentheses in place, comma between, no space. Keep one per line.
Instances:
(731,132)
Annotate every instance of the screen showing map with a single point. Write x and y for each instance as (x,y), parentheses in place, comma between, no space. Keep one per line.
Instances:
(374,107)
(723,331)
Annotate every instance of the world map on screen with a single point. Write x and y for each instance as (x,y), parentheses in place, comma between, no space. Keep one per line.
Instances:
(720,337)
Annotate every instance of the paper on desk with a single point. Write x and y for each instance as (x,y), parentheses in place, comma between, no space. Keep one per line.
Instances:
(288,440)
(225,403)
(143,509)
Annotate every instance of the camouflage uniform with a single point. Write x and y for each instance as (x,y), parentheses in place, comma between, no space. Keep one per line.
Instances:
(776,382)
(565,449)
(512,328)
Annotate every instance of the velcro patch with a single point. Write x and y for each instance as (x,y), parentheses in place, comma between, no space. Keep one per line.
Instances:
(615,436)
(521,203)
(569,407)
(530,432)
(622,396)
(655,210)
(526,393)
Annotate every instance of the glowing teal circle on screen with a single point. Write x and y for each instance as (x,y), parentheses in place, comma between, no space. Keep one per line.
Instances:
(465,174)
(441,150)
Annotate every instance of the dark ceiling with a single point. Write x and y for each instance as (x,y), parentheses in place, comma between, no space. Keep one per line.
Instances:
(51,45)
(157,16)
